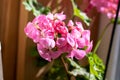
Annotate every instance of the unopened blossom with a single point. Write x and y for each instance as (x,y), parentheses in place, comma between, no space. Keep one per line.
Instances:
(60,27)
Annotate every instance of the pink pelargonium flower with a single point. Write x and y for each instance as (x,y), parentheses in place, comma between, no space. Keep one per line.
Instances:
(32,32)
(58,16)
(48,54)
(43,22)
(71,41)
(88,43)
(60,27)
(46,43)
(61,42)
(78,54)
(53,38)
(79,40)
(86,34)
(45,47)
(89,47)
(75,33)
(46,33)
(79,26)
(108,7)
(75,51)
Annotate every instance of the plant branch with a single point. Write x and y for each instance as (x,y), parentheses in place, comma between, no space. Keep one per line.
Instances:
(65,66)
(100,38)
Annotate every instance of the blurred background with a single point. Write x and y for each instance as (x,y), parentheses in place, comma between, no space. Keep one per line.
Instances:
(18,64)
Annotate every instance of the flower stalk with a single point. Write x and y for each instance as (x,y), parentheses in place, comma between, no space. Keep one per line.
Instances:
(101,36)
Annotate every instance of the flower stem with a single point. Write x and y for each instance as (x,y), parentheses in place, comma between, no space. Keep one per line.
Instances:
(65,66)
(100,38)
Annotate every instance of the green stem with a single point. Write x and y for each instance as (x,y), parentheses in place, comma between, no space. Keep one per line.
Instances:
(100,38)
(65,66)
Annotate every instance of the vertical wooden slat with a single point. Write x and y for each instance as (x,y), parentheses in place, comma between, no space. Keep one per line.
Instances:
(1,18)
(21,43)
(9,30)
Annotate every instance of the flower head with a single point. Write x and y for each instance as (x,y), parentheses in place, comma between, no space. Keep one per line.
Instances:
(54,38)
(108,7)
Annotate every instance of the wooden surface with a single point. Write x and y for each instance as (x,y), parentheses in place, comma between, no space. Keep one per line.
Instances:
(21,43)
(9,30)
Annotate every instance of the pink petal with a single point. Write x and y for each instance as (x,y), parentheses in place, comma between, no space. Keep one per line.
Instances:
(42,22)
(50,16)
(56,54)
(78,54)
(32,32)
(47,33)
(81,42)
(89,47)
(61,42)
(79,26)
(66,49)
(60,16)
(70,23)
(47,43)
(43,53)
(70,40)
(76,33)
(86,34)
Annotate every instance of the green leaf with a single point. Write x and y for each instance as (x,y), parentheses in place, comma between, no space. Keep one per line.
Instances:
(80,71)
(80,14)
(118,21)
(35,7)
(34,52)
(38,60)
(57,72)
(96,66)
(73,63)
(27,6)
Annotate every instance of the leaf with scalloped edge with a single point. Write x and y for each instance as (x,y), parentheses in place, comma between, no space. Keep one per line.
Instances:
(80,14)
(35,7)
(96,65)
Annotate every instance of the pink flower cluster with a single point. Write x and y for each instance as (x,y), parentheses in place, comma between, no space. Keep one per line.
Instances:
(108,7)
(54,38)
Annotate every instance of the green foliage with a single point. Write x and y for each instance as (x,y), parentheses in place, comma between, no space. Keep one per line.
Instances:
(118,21)
(35,7)
(57,72)
(80,72)
(80,14)
(39,62)
(96,66)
